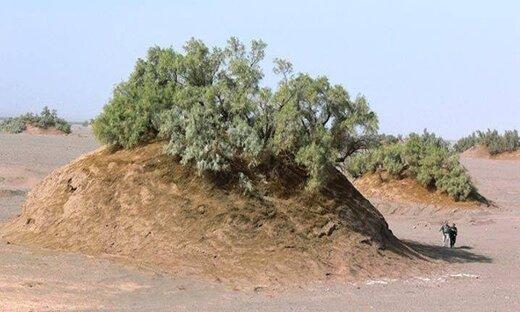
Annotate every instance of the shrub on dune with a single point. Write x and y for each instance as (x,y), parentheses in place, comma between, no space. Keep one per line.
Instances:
(495,142)
(12,125)
(48,118)
(426,158)
(210,107)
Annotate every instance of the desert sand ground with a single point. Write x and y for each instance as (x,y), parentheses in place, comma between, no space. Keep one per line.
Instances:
(482,274)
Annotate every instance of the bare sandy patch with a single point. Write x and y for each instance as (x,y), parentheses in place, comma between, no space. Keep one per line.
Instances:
(16,177)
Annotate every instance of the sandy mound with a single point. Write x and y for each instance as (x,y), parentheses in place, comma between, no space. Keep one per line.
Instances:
(30,129)
(483,152)
(143,206)
(409,197)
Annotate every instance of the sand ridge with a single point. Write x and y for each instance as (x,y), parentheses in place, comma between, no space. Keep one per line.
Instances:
(407,196)
(480,151)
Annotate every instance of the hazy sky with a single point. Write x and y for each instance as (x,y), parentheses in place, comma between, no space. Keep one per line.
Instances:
(449,66)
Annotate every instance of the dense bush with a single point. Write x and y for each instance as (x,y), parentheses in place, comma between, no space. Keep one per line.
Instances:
(494,141)
(47,118)
(12,125)
(426,158)
(210,106)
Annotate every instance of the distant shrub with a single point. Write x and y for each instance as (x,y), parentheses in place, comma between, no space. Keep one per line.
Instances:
(63,127)
(47,118)
(494,141)
(12,125)
(466,143)
(426,158)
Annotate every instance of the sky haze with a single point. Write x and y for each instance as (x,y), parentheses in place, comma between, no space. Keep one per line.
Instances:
(449,66)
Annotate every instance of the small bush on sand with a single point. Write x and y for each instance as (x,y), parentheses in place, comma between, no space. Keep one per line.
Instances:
(47,118)
(211,108)
(426,158)
(495,142)
(12,125)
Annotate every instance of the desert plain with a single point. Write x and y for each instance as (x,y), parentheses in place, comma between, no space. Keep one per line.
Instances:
(481,273)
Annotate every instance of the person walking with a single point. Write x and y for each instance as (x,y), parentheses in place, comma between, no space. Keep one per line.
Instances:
(453,235)
(445,230)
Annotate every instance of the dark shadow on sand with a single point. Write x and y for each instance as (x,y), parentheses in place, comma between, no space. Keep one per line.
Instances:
(451,255)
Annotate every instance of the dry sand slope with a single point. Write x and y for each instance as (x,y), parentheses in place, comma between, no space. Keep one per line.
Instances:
(482,275)
(145,206)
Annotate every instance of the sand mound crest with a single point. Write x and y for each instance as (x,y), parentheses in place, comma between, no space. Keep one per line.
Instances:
(408,197)
(143,206)
(481,151)
(30,129)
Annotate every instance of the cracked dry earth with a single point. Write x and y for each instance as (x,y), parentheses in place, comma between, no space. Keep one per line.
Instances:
(482,274)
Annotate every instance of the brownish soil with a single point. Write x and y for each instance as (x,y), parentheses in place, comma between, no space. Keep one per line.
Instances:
(408,197)
(483,152)
(30,129)
(145,207)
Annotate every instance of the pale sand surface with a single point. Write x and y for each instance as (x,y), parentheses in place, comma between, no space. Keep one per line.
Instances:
(482,274)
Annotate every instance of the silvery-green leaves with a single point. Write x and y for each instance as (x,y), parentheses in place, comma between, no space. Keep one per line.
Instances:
(495,142)
(426,158)
(46,119)
(210,107)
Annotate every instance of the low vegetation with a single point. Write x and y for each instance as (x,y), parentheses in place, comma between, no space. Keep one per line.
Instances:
(495,142)
(424,157)
(46,119)
(211,108)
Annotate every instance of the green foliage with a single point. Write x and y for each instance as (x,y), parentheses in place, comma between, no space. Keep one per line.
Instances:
(132,115)
(494,141)
(47,118)
(213,120)
(466,143)
(426,157)
(12,125)
(359,163)
(210,107)
(64,127)
(245,184)
(315,121)
(454,180)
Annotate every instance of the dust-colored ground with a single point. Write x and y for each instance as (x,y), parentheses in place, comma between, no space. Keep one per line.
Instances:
(482,274)
(480,151)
